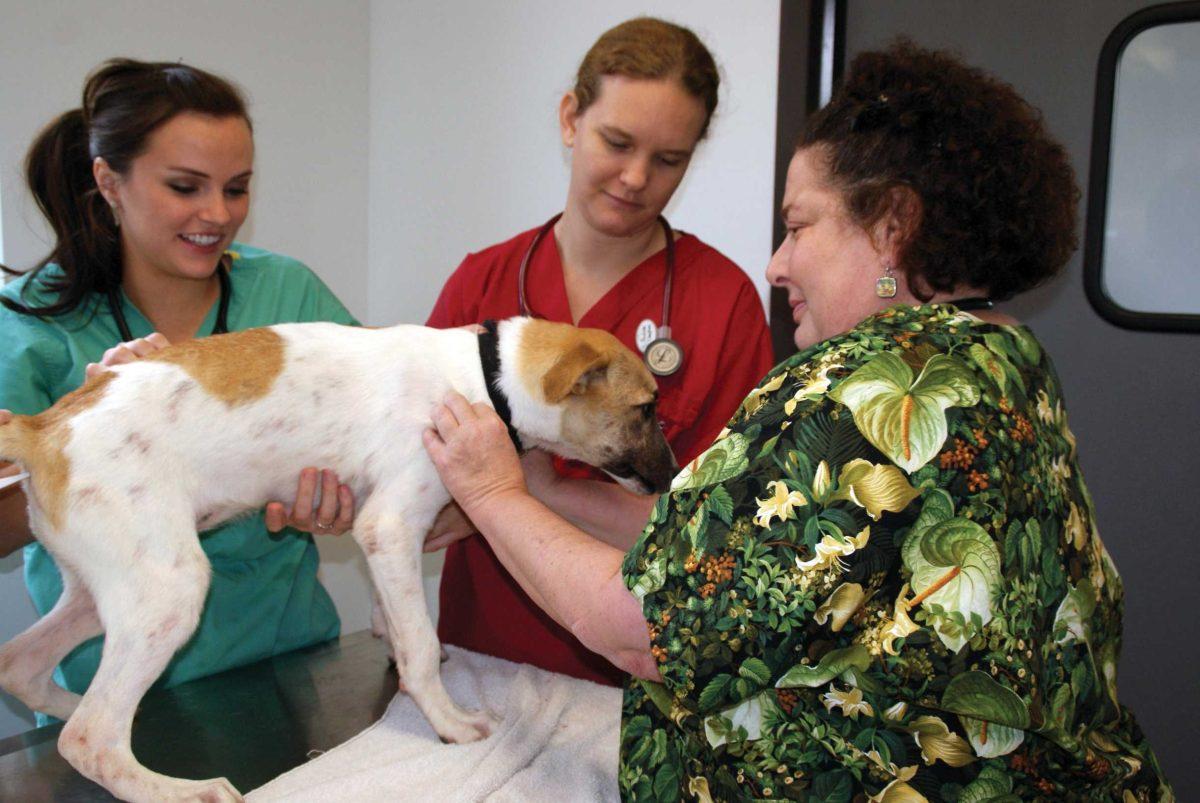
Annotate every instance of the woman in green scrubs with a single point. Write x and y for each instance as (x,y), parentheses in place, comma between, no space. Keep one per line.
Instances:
(145,186)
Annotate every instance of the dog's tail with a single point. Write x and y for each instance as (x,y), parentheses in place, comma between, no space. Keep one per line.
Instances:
(16,437)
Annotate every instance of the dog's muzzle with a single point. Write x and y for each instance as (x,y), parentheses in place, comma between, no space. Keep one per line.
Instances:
(644,480)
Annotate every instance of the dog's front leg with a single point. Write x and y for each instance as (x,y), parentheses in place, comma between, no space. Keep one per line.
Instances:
(379,625)
(392,543)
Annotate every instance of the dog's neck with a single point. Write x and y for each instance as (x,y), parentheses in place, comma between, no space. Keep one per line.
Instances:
(537,424)
(490,361)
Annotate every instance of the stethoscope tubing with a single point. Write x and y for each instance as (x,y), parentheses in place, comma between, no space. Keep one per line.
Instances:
(523,302)
(220,326)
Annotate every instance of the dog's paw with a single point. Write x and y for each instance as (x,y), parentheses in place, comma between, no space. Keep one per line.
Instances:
(483,723)
(469,726)
(214,790)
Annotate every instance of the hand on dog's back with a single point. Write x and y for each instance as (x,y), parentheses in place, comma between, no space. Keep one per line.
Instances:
(128,352)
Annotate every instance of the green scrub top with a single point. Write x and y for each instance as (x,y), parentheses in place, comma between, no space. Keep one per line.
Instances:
(265,598)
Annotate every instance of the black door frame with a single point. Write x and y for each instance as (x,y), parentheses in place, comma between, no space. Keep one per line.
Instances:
(812,45)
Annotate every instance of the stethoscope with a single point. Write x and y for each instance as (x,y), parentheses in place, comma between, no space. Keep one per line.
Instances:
(663,356)
(220,327)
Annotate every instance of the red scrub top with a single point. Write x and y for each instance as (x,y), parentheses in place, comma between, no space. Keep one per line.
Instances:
(717,318)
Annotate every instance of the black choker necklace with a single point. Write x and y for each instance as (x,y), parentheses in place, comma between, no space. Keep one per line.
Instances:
(973,303)
(489,358)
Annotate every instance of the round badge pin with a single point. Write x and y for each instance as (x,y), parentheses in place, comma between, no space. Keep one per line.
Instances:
(647,332)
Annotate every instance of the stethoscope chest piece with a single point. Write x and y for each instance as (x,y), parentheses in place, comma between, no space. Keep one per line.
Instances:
(663,355)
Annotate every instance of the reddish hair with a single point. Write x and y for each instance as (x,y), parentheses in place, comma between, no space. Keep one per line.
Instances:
(647,47)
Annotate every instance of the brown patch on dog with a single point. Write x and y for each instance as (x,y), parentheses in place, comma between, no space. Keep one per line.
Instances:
(236,368)
(572,372)
(557,359)
(37,443)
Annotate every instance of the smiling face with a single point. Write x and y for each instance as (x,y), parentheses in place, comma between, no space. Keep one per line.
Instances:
(630,149)
(184,198)
(828,263)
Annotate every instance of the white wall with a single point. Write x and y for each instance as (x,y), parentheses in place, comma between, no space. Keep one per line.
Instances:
(393,137)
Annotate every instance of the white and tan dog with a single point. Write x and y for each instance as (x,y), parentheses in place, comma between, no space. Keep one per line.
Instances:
(126,470)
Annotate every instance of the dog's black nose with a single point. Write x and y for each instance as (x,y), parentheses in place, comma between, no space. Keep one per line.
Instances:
(662,483)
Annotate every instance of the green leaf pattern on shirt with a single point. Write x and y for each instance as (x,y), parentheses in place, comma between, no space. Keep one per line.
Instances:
(884,582)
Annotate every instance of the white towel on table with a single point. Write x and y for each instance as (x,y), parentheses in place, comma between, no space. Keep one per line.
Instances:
(557,741)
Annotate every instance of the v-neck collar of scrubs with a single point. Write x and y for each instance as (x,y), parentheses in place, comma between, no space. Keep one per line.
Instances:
(549,290)
(140,325)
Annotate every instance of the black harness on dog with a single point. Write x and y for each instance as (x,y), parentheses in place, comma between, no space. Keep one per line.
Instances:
(489,358)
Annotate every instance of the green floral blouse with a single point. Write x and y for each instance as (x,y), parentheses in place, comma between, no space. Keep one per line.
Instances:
(883,582)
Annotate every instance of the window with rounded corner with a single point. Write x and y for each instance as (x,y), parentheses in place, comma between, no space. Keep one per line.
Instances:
(1142,242)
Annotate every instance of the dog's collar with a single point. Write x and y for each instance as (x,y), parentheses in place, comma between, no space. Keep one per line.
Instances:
(489,357)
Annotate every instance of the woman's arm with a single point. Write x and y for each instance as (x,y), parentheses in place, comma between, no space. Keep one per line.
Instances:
(604,510)
(575,578)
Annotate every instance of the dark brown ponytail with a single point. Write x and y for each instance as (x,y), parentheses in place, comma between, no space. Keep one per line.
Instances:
(124,102)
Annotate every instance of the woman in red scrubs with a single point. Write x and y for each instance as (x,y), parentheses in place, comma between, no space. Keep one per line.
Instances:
(642,101)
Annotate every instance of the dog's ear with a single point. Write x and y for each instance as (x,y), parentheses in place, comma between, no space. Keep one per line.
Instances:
(574,372)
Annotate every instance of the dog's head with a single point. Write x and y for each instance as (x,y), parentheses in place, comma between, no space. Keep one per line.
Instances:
(604,399)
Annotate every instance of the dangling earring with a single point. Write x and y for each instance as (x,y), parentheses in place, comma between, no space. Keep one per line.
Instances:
(885,285)
(116,217)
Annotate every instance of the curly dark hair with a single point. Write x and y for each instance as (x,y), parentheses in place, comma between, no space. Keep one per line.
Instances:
(998,194)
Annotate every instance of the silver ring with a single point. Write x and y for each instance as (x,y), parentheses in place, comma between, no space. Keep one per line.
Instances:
(324,528)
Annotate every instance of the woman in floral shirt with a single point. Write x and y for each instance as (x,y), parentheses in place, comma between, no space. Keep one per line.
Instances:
(883,581)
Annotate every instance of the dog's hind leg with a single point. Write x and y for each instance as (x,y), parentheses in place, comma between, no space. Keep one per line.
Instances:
(150,602)
(27,662)
(392,544)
